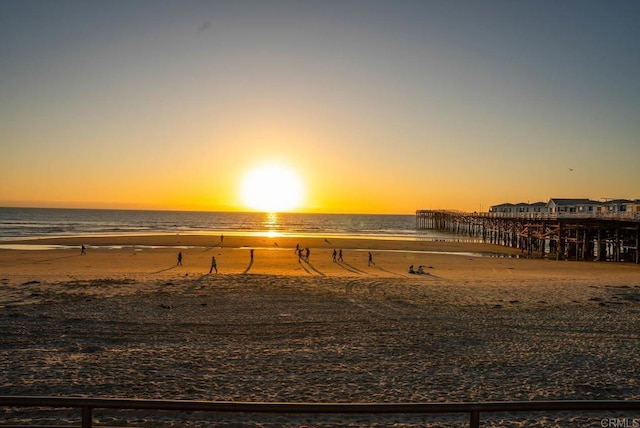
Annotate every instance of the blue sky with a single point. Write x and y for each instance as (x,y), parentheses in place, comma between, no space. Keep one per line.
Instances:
(379,106)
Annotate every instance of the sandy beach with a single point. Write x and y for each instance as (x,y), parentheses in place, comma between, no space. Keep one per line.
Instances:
(125,321)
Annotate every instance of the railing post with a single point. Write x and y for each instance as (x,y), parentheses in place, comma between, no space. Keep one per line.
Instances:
(87,418)
(474,420)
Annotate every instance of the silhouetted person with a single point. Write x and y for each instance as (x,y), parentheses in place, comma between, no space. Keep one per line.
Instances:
(306,254)
(213,265)
(179,259)
(421,270)
(299,250)
(335,254)
(340,255)
(221,238)
(371,259)
(83,250)
(411,269)
(251,254)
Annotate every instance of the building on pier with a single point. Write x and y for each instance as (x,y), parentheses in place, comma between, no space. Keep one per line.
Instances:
(538,207)
(562,229)
(572,206)
(561,207)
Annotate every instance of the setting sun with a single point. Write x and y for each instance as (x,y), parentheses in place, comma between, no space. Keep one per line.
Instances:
(272,188)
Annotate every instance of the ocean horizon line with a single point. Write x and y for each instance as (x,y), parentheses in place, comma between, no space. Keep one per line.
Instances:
(412,213)
(17,223)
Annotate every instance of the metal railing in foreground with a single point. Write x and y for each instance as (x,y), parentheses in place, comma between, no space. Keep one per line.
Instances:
(87,405)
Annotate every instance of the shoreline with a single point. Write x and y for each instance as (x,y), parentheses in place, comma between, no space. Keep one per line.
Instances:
(248,239)
(247,234)
(146,258)
(45,247)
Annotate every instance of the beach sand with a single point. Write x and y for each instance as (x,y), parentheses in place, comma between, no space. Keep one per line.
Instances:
(125,321)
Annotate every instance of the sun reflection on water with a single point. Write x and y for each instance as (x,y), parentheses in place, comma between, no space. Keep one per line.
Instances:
(272,224)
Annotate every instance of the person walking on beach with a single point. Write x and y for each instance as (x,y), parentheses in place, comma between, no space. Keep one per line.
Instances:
(306,255)
(251,254)
(179,259)
(83,250)
(340,259)
(299,251)
(297,248)
(370,259)
(221,239)
(213,264)
(335,254)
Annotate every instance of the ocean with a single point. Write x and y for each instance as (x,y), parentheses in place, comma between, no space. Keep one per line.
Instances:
(18,223)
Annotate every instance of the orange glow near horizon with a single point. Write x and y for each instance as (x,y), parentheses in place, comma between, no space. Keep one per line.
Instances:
(376,109)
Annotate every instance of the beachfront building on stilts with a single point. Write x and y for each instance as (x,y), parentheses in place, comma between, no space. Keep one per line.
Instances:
(562,228)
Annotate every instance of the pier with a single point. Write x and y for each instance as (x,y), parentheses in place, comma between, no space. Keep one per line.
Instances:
(588,237)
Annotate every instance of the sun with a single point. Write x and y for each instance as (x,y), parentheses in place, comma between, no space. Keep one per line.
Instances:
(272,188)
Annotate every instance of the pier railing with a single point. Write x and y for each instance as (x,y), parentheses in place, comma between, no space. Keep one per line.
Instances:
(563,215)
(474,410)
(622,216)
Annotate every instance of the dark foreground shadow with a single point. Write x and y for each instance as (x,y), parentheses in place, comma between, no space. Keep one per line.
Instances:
(350,268)
(424,275)
(248,267)
(302,265)
(388,271)
(313,269)
(219,244)
(55,258)
(164,270)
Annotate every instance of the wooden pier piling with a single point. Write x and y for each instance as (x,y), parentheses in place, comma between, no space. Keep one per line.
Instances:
(569,237)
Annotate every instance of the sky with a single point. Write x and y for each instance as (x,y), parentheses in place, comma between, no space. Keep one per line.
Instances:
(376,106)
